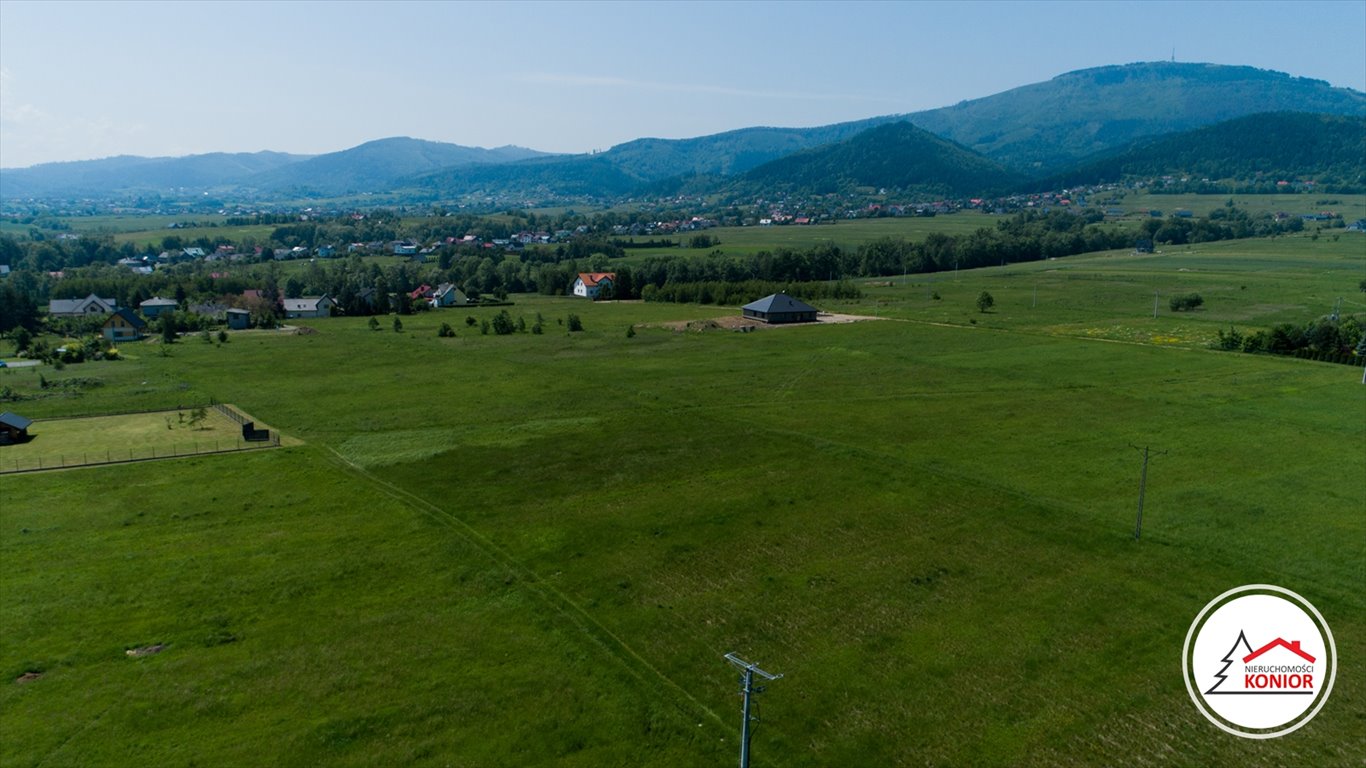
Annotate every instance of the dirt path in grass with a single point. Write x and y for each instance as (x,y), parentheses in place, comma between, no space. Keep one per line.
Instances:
(738,323)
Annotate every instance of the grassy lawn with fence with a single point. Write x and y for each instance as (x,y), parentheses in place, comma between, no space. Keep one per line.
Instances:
(82,441)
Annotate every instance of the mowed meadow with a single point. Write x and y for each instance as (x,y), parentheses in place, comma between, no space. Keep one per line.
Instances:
(535,549)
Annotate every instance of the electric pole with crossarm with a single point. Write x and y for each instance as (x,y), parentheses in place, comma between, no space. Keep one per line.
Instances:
(748,689)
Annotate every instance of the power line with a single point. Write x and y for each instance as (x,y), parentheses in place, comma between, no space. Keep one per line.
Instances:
(1142,487)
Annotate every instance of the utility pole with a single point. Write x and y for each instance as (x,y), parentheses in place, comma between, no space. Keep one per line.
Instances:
(1142,487)
(748,689)
(1155,305)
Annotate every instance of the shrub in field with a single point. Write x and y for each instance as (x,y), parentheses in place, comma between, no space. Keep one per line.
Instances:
(502,323)
(445,331)
(985,301)
(374,324)
(1185,302)
(574,323)
(1233,340)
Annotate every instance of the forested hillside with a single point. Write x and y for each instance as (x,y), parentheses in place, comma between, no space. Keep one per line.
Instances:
(1258,151)
(896,156)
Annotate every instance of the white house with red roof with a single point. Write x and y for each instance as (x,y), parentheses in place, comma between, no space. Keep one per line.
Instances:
(591,284)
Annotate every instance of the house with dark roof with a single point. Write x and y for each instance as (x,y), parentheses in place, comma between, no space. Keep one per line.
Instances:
(780,308)
(90,305)
(590,285)
(13,427)
(123,325)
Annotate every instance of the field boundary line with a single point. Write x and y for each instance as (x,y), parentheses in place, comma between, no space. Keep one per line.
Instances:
(559,601)
(274,442)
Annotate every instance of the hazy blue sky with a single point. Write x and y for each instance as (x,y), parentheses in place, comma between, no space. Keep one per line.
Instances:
(87,80)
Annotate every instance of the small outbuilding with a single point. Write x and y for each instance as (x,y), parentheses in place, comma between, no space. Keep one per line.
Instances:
(238,319)
(13,428)
(780,308)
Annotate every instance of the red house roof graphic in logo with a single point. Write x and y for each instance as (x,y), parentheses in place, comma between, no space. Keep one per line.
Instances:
(1294,647)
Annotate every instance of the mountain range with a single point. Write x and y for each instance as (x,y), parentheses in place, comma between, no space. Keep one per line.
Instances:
(1042,131)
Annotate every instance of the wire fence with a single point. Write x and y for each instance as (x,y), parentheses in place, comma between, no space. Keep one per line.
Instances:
(230,413)
(132,455)
(17,464)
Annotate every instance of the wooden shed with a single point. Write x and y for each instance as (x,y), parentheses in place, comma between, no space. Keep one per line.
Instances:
(13,428)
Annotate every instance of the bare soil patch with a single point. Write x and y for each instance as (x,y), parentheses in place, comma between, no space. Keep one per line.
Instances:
(146,650)
(743,324)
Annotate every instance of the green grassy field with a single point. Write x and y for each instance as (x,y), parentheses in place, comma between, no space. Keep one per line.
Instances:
(1350,207)
(534,549)
(848,234)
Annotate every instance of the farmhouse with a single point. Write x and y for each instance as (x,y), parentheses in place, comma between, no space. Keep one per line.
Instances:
(780,308)
(309,306)
(13,427)
(123,325)
(157,305)
(90,305)
(590,285)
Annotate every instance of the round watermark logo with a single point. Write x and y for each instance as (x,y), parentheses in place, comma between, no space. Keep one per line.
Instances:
(1259,661)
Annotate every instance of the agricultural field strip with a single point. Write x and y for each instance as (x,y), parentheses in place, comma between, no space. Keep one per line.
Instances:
(613,645)
(893,461)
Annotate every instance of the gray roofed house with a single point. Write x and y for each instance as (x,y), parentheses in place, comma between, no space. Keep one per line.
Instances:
(13,427)
(447,295)
(90,305)
(157,305)
(309,306)
(780,308)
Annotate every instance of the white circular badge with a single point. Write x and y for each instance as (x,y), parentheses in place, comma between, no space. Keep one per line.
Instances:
(1259,661)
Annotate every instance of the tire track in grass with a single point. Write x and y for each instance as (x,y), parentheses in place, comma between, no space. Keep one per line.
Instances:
(634,663)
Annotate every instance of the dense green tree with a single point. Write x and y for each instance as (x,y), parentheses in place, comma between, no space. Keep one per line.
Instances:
(167,327)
